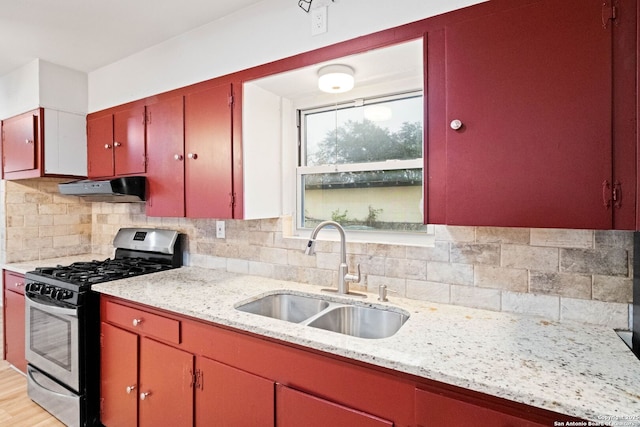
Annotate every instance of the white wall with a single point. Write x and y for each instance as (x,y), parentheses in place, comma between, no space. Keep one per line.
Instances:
(268,31)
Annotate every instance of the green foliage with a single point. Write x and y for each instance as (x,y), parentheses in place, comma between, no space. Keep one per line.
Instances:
(364,141)
(338,217)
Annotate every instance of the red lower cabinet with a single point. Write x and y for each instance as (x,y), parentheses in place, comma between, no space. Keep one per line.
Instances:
(436,409)
(295,408)
(14,322)
(226,396)
(119,373)
(166,381)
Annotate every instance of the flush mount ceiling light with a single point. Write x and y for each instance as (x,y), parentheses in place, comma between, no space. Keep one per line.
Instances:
(335,78)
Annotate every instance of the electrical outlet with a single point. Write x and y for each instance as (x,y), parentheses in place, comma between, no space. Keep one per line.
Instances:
(220,229)
(319,20)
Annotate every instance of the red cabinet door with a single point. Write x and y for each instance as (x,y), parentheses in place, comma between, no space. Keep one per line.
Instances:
(227,396)
(208,163)
(100,147)
(20,142)
(129,141)
(118,377)
(165,158)
(166,380)
(433,409)
(531,86)
(14,327)
(295,408)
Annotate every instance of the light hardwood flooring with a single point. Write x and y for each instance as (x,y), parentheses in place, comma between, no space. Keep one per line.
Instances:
(16,409)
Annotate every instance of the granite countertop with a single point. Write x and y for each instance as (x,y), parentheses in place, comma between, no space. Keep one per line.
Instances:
(584,371)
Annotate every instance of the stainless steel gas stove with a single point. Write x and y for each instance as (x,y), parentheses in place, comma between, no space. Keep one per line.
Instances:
(63,321)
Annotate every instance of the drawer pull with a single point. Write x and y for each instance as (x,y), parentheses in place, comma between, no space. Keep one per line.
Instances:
(18,284)
(137,322)
(130,389)
(144,395)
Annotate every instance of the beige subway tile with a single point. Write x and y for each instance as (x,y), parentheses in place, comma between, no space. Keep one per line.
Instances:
(519,236)
(239,266)
(448,233)
(471,296)
(439,252)
(609,314)
(52,209)
(429,291)
(459,274)
(561,284)
(529,257)
(474,253)
(614,239)
(612,289)
(508,279)
(262,269)
(369,264)
(608,262)
(562,238)
(273,255)
(394,251)
(326,260)
(406,268)
(318,277)
(536,305)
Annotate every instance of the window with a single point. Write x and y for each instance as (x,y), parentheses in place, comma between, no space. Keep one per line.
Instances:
(360,164)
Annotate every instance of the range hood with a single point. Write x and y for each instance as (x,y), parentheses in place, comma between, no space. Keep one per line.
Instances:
(127,189)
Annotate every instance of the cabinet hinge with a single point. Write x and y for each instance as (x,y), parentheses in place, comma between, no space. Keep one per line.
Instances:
(148,117)
(612,194)
(232,198)
(231,100)
(609,12)
(197,379)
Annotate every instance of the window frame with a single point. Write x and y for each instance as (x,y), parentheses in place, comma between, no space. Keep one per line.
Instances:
(301,169)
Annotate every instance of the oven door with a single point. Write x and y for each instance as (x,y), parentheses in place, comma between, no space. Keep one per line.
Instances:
(52,340)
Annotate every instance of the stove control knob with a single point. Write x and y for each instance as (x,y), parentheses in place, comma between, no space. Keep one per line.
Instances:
(43,289)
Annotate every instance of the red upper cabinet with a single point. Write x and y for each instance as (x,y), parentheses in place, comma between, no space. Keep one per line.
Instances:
(116,143)
(208,148)
(21,141)
(100,146)
(165,154)
(531,87)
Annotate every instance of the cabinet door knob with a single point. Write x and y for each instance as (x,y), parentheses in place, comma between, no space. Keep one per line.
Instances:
(192,156)
(178,157)
(107,146)
(18,284)
(28,141)
(455,124)
(130,389)
(137,322)
(144,395)
(117,144)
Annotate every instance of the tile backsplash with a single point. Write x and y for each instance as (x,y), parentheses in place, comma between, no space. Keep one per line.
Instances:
(580,275)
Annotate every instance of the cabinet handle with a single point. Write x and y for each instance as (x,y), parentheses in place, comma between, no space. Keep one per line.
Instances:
(144,395)
(18,284)
(456,124)
(107,146)
(130,389)
(192,156)
(137,322)
(117,144)
(28,141)
(178,157)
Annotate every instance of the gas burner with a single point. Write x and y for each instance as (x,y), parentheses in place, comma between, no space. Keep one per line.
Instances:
(90,272)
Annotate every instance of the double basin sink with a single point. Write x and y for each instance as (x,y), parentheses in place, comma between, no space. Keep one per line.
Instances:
(334,315)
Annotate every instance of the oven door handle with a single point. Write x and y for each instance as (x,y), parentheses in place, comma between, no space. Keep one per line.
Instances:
(54,309)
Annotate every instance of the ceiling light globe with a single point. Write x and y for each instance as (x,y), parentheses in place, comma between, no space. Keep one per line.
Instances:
(335,78)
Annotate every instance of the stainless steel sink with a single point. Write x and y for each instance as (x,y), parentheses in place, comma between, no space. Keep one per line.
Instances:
(363,322)
(290,307)
(341,316)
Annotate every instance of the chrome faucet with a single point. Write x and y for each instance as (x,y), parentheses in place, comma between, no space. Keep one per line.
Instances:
(344,277)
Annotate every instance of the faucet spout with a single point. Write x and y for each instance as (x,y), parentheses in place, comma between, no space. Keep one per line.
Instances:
(344,277)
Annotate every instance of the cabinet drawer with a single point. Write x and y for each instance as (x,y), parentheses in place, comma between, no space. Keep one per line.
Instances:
(14,282)
(143,322)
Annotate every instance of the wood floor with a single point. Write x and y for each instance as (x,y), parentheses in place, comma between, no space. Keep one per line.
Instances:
(16,409)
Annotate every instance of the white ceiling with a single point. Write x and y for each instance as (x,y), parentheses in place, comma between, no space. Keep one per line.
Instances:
(88,34)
